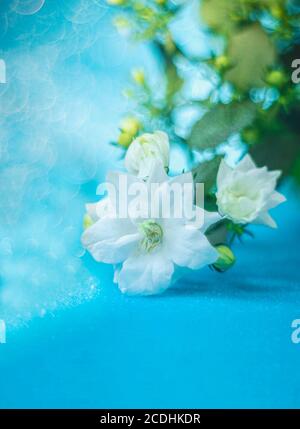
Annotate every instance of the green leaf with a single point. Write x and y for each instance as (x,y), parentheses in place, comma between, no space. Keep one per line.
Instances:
(251,52)
(220,14)
(277,151)
(217,125)
(217,234)
(296,171)
(206,173)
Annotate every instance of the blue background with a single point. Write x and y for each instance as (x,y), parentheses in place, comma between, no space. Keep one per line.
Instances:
(72,339)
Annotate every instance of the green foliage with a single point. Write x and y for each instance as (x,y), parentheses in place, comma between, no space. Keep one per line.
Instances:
(296,171)
(219,123)
(174,82)
(206,173)
(220,15)
(145,20)
(260,40)
(226,16)
(251,53)
(278,151)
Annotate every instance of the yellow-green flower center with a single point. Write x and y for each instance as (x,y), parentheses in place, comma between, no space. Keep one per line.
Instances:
(152,235)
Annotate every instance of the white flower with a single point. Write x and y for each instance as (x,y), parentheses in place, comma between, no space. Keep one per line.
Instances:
(246,193)
(147,251)
(145,150)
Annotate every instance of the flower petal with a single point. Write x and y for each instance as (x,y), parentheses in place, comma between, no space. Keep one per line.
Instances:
(145,274)
(111,240)
(223,171)
(203,219)
(274,200)
(188,247)
(121,182)
(144,150)
(265,218)
(246,163)
(157,172)
(210,218)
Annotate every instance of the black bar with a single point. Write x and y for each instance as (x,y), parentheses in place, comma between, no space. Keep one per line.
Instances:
(143,417)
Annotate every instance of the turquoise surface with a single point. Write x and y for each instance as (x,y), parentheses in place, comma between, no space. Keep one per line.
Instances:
(223,341)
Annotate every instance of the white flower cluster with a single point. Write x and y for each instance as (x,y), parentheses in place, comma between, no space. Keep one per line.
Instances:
(147,252)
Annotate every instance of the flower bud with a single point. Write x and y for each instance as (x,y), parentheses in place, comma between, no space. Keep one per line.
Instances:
(138,76)
(276,78)
(116,2)
(125,139)
(222,62)
(129,128)
(127,93)
(226,258)
(87,221)
(147,14)
(277,11)
(123,25)
(145,150)
(250,135)
(130,125)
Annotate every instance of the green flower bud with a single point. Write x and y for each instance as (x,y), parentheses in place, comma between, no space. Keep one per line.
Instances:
(146,13)
(116,2)
(226,258)
(277,11)
(125,139)
(122,24)
(250,135)
(87,221)
(130,125)
(222,62)
(138,76)
(127,93)
(276,78)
